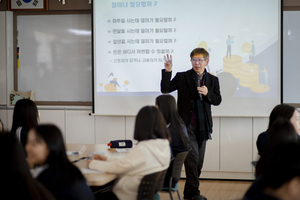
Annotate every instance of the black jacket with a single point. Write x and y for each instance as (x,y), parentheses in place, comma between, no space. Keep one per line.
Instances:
(184,83)
(76,191)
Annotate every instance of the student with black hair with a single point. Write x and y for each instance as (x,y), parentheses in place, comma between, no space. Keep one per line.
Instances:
(25,117)
(281,110)
(168,107)
(16,180)
(280,176)
(180,141)
(281,132)
(46,149)
(151,154)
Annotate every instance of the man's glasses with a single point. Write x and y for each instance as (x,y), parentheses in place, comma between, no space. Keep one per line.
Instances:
(199,60)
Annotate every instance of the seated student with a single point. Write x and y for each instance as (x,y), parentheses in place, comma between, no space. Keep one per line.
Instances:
(280,178)
(45,148)
(16,180)
(25,117)
(167,105)
(180,142)
(281,132)
(281,110)
(151,154)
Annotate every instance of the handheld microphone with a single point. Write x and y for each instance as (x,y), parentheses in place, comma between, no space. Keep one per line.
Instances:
(198,85)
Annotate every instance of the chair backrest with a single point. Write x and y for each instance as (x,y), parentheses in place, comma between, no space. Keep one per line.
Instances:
(161,180)
(177,163)
(148,186)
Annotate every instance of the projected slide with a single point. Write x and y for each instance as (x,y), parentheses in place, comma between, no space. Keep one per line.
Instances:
(242,37)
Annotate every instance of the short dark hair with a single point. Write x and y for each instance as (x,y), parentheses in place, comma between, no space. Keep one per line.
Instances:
(281,110)
(280,165)
(25,115)
(200,51)
(150,124)
(57,160)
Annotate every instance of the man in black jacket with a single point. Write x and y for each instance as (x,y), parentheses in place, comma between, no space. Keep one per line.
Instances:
(197,91)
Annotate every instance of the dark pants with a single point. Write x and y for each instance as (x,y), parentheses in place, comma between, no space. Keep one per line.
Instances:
(228,50)
(193,164)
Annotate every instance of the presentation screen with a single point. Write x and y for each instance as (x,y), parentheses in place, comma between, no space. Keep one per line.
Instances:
(130,39)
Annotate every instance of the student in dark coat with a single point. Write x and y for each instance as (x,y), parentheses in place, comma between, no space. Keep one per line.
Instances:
(280,176)
(45,148)
(180,141)
(16,180)
(281,110)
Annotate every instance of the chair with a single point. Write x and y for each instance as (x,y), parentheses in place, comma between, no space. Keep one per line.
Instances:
(148,186)
(175,172)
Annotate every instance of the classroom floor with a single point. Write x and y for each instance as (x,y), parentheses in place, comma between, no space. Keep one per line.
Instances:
(215,189)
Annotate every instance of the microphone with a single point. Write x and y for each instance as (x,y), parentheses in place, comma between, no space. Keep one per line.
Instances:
(198,85)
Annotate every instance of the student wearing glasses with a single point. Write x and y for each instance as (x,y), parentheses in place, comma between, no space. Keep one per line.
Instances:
(197,91)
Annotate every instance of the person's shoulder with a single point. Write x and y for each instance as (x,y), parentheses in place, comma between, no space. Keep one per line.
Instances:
(263,135)
(212,76)
(184,72)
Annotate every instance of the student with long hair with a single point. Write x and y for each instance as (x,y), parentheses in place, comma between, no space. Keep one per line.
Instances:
(151,154)
(180,142)
(168,107)
(25,117)
(280,176)
(46,149)
(281,110)
(16,180)
(281,132)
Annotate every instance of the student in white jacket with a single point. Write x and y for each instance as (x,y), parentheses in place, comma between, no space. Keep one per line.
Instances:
(152,154)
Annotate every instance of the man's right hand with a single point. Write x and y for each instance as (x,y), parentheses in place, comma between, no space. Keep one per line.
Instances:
(168,63)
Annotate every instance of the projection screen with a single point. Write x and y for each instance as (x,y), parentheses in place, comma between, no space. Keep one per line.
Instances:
(130,39)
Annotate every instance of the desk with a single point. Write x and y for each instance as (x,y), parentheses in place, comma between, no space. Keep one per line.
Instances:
(94,178)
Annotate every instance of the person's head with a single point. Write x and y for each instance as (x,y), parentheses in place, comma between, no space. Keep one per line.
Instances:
(282,131)
(45,145)
(17,182)
(285,111)
(281,174)
(150,124)
(228,36)
(25,115)
(199,59)
(167,105)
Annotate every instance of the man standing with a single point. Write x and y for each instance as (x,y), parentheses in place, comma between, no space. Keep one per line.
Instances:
(197,91)
(229,41)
